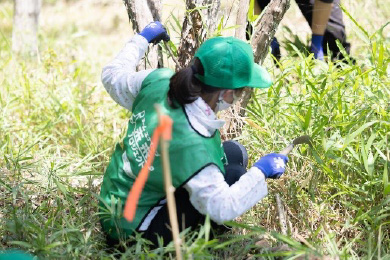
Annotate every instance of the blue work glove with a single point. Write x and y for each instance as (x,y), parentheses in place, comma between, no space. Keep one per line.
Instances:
(155,32)
(272,165)
(316,46)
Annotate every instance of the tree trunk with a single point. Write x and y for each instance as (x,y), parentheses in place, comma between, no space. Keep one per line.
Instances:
(234,124)
(242,18)
(25,26)
(265,29)
(141,13)
(262,36)
(194,29)
(200,23)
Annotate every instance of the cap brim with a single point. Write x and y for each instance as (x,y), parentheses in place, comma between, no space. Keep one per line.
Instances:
(260,77)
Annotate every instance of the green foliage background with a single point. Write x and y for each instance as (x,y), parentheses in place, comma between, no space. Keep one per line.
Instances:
(58,128)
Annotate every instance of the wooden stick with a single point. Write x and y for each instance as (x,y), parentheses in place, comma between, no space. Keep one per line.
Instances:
(169,190)
(282,219)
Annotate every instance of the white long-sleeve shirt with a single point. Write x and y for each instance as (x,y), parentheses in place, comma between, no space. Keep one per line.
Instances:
(209,193)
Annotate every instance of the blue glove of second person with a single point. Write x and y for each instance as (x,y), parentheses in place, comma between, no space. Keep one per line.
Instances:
(275,48)
(155,32)
(272,165)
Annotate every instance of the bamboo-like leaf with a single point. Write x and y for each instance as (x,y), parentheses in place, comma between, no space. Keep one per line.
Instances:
(370,163)
(251,12)
(21,244)
(354,21)
(53,245)
(339,102)
(177,22)
(307,119)
(380,30)
(380,153)
(173,48)
(364,154)
(297,51)
(380,59)
(343,51)
(370,141)
(61,187)
(351,137)
(299,119)
(220,24)
(373,52)
(353,153)
(386,184)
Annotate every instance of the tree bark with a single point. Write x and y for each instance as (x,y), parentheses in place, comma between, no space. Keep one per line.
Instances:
(234,124)
(241,20)
(195,29)
(265,29)
(263,34)
(25,26)
(141,13)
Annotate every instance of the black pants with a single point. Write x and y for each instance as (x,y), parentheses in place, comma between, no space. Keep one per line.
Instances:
(335,29)
(188,216)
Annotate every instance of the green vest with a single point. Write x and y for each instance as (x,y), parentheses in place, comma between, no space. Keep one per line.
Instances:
(189,153)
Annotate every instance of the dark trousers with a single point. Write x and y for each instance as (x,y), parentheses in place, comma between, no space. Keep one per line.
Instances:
(335,29)
(188,216)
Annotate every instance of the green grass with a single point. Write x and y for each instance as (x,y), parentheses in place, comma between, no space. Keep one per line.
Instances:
(58,128)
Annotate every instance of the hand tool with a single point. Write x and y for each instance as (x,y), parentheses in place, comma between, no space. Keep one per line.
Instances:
(304,139)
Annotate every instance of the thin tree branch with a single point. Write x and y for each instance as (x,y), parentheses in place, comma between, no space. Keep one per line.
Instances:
(178,66)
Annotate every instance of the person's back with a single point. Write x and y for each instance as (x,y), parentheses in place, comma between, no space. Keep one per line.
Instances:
(187,145)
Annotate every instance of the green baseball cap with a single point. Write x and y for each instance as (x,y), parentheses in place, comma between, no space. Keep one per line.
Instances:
(228,63)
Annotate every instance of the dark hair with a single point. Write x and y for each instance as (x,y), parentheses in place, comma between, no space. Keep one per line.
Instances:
(185,88)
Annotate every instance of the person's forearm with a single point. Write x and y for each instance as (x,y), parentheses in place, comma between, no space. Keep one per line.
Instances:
(321,14)
(210,194)
(120,78)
